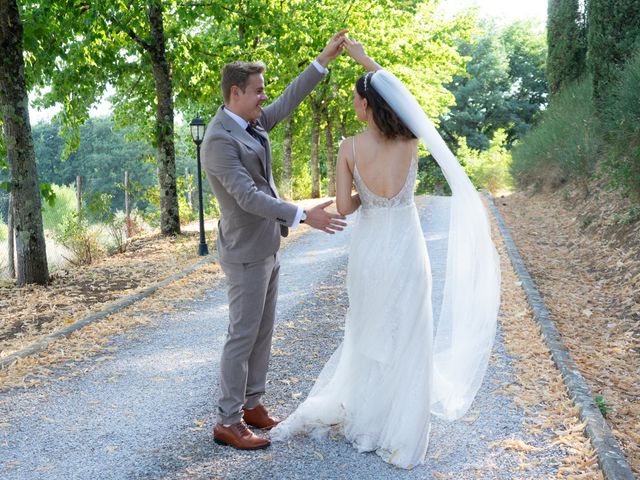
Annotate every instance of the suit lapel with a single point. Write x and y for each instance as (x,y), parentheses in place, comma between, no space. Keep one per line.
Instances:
(243,136)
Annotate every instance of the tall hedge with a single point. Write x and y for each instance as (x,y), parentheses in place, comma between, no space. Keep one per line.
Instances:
(567,43)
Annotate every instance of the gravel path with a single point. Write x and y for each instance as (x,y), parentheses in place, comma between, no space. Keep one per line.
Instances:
(147,410)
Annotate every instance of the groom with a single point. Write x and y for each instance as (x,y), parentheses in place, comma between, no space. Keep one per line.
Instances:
(237,159)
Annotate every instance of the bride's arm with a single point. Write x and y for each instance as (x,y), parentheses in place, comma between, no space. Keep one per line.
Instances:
(356,50)
(345,202)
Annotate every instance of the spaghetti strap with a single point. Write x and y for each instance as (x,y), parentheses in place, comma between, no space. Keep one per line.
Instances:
(353,144)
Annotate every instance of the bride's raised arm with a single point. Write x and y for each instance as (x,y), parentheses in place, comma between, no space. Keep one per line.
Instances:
(356,51)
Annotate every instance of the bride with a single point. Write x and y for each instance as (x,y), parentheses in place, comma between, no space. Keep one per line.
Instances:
(391,373)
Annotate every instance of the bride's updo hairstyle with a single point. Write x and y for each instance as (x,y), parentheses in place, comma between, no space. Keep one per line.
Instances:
(386,119)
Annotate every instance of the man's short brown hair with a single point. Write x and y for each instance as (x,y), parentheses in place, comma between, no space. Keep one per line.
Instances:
(237,73)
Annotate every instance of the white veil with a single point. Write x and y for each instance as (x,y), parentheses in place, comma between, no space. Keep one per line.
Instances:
(466,328)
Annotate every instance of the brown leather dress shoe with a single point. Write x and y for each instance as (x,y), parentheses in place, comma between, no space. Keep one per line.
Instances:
(238,436)
(259,417)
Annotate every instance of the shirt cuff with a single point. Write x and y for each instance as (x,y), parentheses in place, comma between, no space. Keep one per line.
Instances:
(319,67)
(296,219)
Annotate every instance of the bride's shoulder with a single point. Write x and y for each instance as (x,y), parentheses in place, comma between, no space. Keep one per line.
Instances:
(346,146)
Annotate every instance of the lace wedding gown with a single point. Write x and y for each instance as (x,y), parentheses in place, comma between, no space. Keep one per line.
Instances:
(376,386)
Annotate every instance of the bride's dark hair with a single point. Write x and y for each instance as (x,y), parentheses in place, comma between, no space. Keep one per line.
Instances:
(386,119)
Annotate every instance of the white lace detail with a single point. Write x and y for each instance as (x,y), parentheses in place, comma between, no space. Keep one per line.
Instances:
(370,200)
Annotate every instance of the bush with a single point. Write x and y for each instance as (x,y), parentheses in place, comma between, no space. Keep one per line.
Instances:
(79,239)
(99,209)
(64,205)
(3,232)
(488,169)
(188,213)
(212,209)
(564,145)
(621,118)
(301,182)
(430,179)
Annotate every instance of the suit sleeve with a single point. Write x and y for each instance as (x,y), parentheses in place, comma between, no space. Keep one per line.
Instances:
(292,96)
(224,164)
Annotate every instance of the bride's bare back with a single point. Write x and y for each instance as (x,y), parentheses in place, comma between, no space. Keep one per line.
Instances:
(383,166)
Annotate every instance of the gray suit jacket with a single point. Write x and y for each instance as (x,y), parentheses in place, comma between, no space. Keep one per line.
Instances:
(239,170)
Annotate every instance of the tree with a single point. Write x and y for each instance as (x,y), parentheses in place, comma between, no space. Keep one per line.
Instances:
(567,43)
(481,94)
(131,47)
(503,87)
(526,51)
(613,33)
(14,103)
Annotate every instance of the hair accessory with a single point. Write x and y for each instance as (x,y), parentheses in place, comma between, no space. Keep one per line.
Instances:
(367,77)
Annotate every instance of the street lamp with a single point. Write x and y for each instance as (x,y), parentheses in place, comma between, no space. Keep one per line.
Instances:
(197,133)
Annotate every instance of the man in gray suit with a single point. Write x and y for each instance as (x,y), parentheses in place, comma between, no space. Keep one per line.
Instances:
(237,159)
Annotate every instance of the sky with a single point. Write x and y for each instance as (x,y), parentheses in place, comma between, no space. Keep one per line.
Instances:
(507,10)
(504,10)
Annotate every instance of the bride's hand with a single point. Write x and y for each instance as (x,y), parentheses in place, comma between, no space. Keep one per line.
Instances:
(356,51)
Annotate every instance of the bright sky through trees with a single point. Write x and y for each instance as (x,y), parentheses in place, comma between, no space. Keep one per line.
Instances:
(506,10)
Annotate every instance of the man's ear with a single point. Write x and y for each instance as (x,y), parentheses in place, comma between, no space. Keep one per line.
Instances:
(235,91)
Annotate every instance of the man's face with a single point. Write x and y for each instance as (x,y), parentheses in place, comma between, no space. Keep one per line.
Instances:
(248,104)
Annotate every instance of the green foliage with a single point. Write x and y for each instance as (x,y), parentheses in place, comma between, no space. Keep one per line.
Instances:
(564,145)
(430,180)
(301,182)
(3,231)
(613,35)
(188,213)
(151,214)
(47,193)
(632,215)
(621,117)
(212,209)
(503,86)
(488,169)
(54,215)
(99,210)
(567,40)
(602,405)
(81,241)
(101,160)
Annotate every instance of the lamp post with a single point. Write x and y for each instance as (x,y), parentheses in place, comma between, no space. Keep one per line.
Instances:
(197,133)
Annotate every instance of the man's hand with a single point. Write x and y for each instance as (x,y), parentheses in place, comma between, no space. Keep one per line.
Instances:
(333,48)
(325,221)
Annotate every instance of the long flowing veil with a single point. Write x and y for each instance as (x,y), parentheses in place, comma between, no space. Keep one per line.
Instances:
(466,327)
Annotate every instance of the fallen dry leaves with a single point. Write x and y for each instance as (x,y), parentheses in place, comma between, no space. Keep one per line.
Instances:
(539,389)
(31,313)
(586,264)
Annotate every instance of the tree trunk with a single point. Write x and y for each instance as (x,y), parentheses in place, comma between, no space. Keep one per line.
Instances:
(343,126)
(331,161)
(14,105)
(315,151)
(286,182)
(127,205)
(166,154)
(11,240)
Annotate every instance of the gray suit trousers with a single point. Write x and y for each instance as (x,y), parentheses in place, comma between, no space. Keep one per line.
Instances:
(252,291)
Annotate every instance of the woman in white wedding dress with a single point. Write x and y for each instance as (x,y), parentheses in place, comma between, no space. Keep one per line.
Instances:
(378,385)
